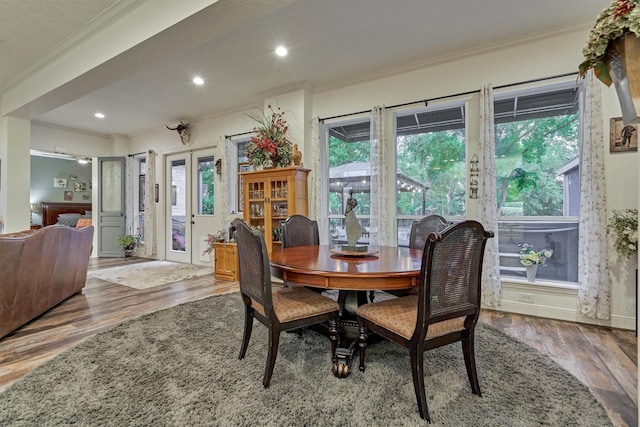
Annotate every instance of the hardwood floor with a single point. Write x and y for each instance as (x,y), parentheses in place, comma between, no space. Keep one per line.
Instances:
(604,359)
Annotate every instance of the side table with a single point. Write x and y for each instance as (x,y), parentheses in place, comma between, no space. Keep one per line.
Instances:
(225,260)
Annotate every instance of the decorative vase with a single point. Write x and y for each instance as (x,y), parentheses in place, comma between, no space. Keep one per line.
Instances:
(128,251)
(623,61)
(531,272)
(297,155)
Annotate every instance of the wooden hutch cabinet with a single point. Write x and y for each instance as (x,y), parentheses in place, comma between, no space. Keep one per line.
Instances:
(272,195)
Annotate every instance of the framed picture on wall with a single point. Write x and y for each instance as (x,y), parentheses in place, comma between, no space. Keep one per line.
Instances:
(59,182)
(242,167)
(68,195)
(80,186)
(622,137)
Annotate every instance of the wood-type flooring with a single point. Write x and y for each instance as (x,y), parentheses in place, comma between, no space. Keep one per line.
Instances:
(604,359)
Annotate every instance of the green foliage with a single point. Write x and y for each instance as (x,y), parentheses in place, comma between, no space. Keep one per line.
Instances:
(529,154)
(436,159)
(342,152)
(207,193)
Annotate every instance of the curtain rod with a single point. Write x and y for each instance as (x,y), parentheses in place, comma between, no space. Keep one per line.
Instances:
(136,154)
(438,98)
(238,134)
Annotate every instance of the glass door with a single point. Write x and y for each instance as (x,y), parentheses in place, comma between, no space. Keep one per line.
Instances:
(190,206)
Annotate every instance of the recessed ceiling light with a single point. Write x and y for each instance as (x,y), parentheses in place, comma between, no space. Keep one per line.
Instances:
(198,80)
(281,51)
(99,115)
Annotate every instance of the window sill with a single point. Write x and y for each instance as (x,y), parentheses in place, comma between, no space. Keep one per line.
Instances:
(538,284)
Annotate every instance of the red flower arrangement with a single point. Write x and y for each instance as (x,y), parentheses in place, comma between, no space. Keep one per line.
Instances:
(270,146)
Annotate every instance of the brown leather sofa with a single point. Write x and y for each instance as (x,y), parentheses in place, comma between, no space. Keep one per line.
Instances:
(39,269)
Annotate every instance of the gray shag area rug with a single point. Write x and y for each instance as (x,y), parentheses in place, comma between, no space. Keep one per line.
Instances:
(180,367)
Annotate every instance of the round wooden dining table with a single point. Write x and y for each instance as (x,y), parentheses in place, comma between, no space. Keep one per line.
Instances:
(355,277)
(322,266)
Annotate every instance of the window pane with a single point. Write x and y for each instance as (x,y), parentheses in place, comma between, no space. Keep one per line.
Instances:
(538,181)
(178,204)
(349,169)
(205,185)
(430,169)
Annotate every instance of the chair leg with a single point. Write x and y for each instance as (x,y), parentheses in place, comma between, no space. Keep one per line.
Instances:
(362,345)
(248,327)
(468,350)
(274,340)
(417,370)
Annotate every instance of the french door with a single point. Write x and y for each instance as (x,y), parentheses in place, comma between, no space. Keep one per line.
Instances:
(189,205)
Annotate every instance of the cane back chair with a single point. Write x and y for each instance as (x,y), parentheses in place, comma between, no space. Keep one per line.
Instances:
(445,309)
(279,309)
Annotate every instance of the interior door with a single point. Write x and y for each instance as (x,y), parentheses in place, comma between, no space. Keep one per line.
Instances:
(110,218)
(190,205)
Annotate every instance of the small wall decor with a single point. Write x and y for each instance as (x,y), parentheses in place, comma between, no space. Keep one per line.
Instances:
(184,132)
(59,183)
(622,137)
(474,174)
(141,192)
(86,197)
(80,186)
(242,167)
(68,195)
(73,177)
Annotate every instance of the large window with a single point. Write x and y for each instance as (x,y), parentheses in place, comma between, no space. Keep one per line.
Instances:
(349,170)
(537,168)
(430,168)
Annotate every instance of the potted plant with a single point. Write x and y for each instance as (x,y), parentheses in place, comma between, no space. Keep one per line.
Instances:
(219,237)
(531,259)
(128,243)
(624,227)
(613,51)
(270,147)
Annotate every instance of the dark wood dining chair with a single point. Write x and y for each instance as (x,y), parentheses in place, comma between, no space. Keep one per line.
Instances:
(298,230)
(444,311)
(279,309)
(421,229)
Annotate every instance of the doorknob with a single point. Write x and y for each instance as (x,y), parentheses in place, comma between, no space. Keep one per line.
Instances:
(193,222)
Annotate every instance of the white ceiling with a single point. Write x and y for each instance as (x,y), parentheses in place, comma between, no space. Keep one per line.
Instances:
(330,42)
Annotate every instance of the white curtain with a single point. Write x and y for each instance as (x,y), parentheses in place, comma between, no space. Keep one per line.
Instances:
(319,179)
(379,205)
(150,232)
(487,208)
(128,195)
(593,271)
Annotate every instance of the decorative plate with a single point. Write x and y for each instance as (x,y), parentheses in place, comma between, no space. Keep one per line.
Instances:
(353,254)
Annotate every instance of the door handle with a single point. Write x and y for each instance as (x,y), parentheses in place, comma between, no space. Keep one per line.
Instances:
(193,222)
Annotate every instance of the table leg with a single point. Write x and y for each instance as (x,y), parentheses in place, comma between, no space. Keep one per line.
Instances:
(348,331)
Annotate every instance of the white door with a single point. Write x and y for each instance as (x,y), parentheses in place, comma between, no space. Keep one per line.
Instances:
(109,220)
(190,205)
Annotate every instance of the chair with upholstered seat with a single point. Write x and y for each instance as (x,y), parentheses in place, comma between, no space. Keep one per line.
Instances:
(298,230)
(445,309)
(279,309)
(421,229)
